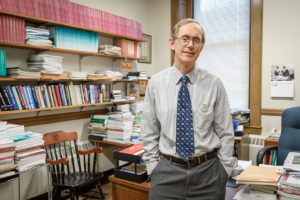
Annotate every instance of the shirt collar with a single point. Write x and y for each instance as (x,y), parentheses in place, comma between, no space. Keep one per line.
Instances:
(176,75)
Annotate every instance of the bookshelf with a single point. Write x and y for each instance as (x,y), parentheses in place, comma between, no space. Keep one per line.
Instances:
(15,81)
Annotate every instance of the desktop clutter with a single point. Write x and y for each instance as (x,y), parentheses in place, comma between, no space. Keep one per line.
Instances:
(268,182)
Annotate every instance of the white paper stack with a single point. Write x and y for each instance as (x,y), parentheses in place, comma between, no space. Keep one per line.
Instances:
(78,75)
(137,108)
(46,63)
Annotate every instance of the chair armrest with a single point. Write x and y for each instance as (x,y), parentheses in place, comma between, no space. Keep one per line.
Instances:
(262,152)
(96,149)
(64,161)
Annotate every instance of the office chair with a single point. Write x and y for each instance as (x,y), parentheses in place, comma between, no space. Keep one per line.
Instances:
(289,140)
(71,168)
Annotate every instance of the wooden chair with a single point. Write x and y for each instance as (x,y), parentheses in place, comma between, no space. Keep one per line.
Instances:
(72,169)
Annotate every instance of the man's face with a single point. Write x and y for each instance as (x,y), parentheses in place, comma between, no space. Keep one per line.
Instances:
(187,45)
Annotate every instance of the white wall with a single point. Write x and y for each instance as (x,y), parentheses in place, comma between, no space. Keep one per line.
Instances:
(281,45)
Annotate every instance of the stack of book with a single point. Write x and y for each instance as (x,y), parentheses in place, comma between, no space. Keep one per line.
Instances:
(128,47)
(3,129)
(29,150)
(45,63)
(110,49)
(98,127)
(120,124)
(289,183)
(2,63)
(14,129)
(12,28)
(68,12)
(7,153)
(117,95)
(38,36)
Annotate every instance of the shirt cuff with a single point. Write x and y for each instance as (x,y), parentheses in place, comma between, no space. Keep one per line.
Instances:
(151,166)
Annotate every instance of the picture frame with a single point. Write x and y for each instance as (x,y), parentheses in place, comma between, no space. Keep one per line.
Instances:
(145,49)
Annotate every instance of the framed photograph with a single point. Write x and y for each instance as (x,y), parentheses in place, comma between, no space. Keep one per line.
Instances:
(133,89)
(146,49)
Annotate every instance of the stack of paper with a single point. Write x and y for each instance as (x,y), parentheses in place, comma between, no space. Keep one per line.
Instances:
(137,108)
(259,175)
(289,183)
(78,75)
(19,72)
(46,63)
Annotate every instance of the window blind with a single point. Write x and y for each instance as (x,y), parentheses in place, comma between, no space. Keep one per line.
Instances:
(226,52)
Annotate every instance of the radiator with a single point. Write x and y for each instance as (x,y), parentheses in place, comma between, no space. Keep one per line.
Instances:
(251,144)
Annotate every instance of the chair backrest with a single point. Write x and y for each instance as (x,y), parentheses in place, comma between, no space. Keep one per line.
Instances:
(60,144)
(290,134)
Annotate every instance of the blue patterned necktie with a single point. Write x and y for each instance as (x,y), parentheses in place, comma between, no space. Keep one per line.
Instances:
(184,122)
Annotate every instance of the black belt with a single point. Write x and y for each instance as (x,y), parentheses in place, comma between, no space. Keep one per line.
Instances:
(193,160)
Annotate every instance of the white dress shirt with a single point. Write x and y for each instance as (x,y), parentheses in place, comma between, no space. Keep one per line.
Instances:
(211,116)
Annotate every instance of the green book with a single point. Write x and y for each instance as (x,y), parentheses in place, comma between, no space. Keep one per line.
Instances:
(2,63)
(274,157)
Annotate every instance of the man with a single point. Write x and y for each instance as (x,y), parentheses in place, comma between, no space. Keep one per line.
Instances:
(187,129)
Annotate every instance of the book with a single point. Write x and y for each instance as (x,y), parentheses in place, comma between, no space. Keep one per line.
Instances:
(16,95)
(132,149)
(271,157)
(274,157)
(12,98)
(259,175)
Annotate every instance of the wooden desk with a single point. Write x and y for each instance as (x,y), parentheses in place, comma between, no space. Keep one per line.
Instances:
(125,190)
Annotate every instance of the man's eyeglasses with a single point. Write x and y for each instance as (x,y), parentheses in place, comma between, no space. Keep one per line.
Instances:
(184,41)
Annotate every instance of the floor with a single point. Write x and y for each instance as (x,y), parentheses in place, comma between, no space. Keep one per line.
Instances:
(107,190)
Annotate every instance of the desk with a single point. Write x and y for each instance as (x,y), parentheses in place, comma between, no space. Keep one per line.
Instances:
(18,177)
(124,190)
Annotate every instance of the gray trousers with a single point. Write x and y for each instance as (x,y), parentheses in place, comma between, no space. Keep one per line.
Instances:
(205,181)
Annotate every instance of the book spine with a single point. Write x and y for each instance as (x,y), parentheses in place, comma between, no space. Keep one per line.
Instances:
(44,96)
(48,87)
(54,95)
(12,98)
(40,96)
(274,157)
(20,97)
(61,94)
(6,98)
(14,90)
(58,95)
(68,95)
(271,157)
(26,96)
(47,98)
(2,103)
(31,97)
(35,98)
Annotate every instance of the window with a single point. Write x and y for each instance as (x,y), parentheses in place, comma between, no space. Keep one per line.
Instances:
(226,52)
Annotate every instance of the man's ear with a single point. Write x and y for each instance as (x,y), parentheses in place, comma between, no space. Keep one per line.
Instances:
(172,43)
